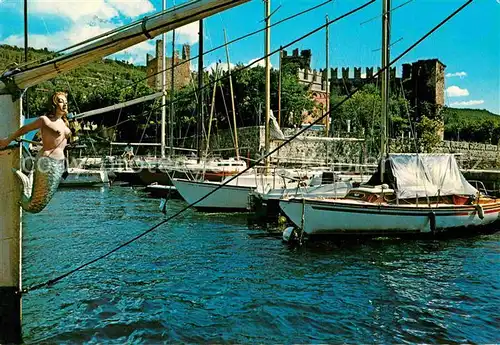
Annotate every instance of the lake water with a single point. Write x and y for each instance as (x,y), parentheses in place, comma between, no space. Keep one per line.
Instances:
(208,278)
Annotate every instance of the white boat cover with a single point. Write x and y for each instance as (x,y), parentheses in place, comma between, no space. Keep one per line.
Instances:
(275,130)
(421,175)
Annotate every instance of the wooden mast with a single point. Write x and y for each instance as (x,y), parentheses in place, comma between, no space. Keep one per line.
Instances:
(384,84)
(237,150)
(267,49)
(163,88)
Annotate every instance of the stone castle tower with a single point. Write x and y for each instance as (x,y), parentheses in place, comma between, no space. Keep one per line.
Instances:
(423,83)
(182,73)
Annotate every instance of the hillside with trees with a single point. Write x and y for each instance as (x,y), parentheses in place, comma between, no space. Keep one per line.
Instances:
(107,82)
(476,125)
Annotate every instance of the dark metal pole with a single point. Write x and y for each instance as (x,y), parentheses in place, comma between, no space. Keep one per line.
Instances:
(386,38)
(171,119)
(199,125)
(26,106)
(280,85)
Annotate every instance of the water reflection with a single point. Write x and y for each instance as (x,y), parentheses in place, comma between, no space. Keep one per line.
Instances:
(209,278)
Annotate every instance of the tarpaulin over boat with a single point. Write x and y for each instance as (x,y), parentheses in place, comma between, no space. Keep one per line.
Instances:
(422,175)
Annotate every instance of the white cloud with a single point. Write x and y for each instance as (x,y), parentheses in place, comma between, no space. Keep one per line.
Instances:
(456,74)
(261,63)
(455,91)
(59,40)
(467,103)
(187,34)
(74,10)
(222,67)
(132,8)
(104,10)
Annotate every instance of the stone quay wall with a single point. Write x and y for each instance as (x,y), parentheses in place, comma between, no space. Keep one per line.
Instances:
(311,149)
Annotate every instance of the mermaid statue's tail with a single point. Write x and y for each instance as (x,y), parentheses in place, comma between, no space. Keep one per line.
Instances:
(48,172)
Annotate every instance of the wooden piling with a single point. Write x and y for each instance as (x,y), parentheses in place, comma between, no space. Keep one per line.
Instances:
(10,227)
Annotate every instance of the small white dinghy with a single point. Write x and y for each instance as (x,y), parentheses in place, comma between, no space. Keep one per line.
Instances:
(78,177)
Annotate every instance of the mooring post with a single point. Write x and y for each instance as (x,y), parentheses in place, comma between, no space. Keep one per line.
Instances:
(10,226)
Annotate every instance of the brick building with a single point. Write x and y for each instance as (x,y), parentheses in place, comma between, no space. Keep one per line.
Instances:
(182,73)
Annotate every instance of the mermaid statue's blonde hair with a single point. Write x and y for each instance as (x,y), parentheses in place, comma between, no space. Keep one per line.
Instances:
(52,103)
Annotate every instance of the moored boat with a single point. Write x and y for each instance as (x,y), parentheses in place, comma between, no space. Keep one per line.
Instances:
(85,178)
(425,194)
(227,198)
(228,195)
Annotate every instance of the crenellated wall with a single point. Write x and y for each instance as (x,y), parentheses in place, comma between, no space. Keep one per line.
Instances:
(316,79)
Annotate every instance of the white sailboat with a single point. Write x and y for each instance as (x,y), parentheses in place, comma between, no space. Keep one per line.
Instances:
(326,184)
(425,193)
(410,194)
(231,195)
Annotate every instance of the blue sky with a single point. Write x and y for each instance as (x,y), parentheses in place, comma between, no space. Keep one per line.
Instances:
(469,45)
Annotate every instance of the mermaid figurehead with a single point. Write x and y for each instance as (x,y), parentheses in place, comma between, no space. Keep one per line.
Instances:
(58,106)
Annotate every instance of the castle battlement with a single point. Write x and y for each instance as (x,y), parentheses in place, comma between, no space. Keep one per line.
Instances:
(316,78)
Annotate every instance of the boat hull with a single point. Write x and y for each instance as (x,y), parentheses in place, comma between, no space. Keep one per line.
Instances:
(159,176)
(85,178)
(226,199)
(328,217)
(160,191)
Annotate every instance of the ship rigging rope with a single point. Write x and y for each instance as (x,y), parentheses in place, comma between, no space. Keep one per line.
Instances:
(105,34)
(184,61)
(383,69)
(231,42)
(257,61)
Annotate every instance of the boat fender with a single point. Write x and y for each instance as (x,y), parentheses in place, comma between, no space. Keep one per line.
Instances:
(432,221)
(289,235)
(480,211)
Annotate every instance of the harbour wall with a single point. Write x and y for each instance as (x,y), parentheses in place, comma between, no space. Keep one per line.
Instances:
(311,149)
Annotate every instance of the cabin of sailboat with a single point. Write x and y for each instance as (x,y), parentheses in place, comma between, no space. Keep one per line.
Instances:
(415,176)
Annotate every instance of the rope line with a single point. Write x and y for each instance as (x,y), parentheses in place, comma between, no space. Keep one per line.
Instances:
(232,41)
(255,62)
(105,34)
(383,69)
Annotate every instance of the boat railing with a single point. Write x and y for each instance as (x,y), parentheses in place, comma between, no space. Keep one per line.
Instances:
(479,185)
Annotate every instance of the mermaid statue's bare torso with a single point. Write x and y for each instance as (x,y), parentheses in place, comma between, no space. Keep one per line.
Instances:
(49,164)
